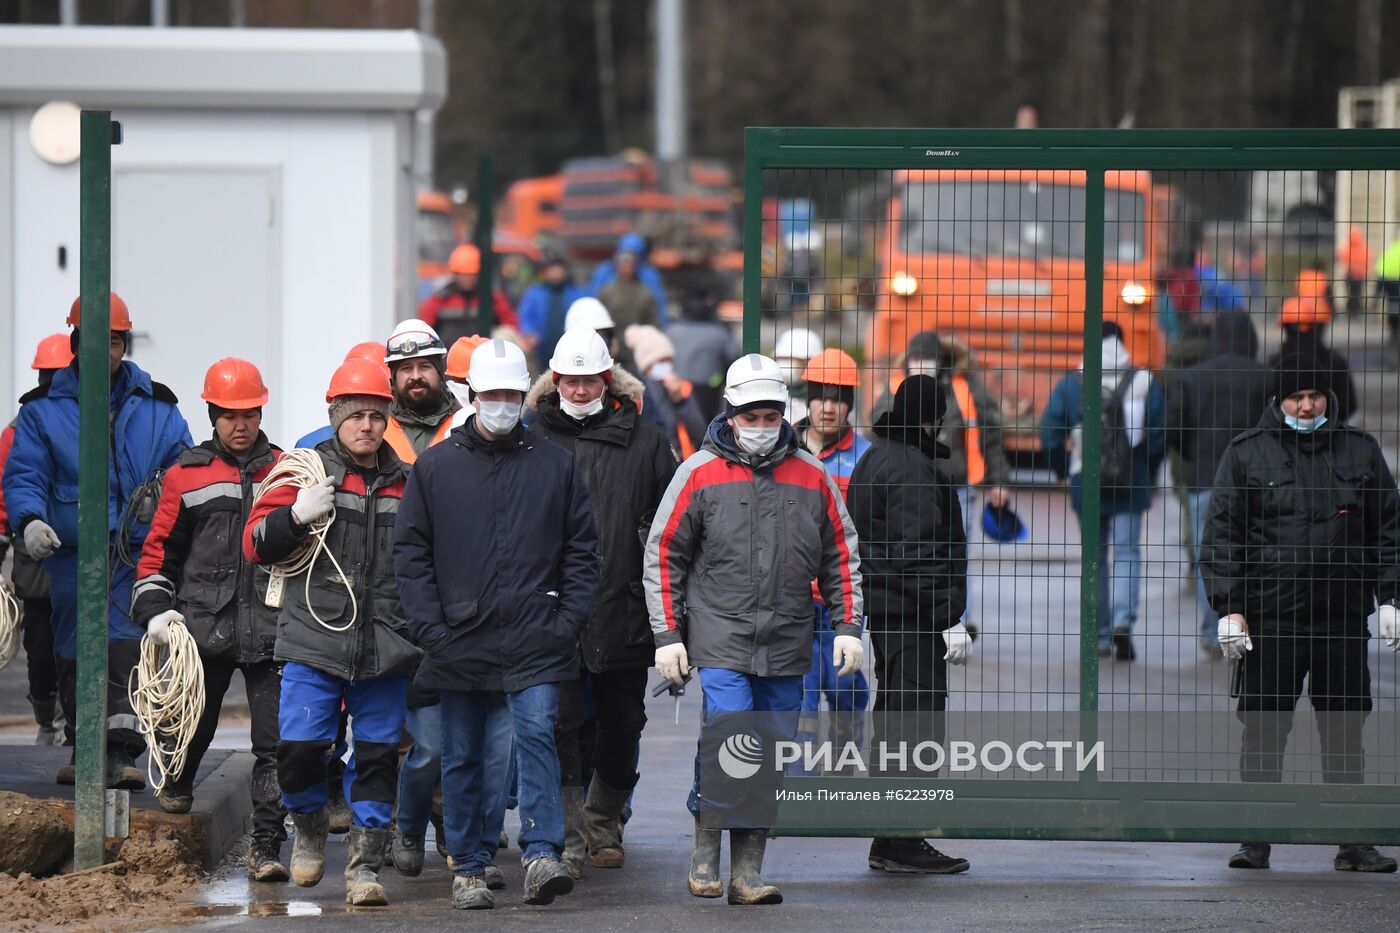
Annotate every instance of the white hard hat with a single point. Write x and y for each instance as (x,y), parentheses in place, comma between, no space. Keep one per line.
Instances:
(798,344)
(498,364)
(411,339)
(580,352)
(588,312)
(755,378)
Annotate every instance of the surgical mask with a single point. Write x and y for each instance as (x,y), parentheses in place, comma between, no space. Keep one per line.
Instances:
(1304,425)
(461,392)
(661,371)
(498,417)
(757,441)
(923,367)
(579,412)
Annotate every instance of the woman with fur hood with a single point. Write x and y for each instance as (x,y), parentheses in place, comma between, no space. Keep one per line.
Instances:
(592,406)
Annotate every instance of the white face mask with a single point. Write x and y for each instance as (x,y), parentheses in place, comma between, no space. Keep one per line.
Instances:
(1304,425)
(661,371)
(923,367)
(461,393)
(498,417)
(757,441)
(579,412)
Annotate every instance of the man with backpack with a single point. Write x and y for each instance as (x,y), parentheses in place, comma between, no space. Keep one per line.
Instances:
(1132,444)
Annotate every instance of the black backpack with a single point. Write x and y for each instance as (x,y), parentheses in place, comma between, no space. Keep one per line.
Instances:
(1115,453)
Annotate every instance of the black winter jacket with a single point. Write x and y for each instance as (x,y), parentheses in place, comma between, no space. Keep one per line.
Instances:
(627,464)
(494,550)
(1303,532)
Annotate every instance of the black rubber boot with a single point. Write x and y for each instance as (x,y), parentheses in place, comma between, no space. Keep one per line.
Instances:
(408,854)
(1362,858)
(1251,855)
(1123,645)
(575,848)
(309,848)
(122,773)
(362,887)
(602,823)
(338,815)
(704,879)
(746,884)
(912,856)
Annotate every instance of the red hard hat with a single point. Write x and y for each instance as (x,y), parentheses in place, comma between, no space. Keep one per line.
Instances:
(235,384)
(366,350)
(465,260)
(121,318)
(360,377)
(459,358)
(53,352)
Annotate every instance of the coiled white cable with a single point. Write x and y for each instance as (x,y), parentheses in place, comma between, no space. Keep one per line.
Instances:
(303,469)
(167,696)
(10,636)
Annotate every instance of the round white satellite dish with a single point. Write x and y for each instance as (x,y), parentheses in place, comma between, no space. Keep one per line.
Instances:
(55,132)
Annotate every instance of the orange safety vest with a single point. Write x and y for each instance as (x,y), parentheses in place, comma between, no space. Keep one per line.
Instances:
(972,434)
(395,437)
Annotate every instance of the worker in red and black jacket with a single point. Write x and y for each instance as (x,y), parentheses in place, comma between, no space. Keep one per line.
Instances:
(192,569)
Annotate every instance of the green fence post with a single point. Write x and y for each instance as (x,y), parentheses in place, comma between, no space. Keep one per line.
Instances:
(485,231)
(1090,505)
(753,238)
(94,387)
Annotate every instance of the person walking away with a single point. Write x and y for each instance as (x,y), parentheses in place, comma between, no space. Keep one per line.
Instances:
(669,399)
(626,297)
(633,244)
(705,348)
(31,582)
(746,526)
(1207,406)
(545,304)
(495,551)
(422,410)
(1354,257)
(455,309)
(41,495)
(1132,445)
(906,513)
(588,404)
(341,633)
(793,349)
(1301,545)
(193,571)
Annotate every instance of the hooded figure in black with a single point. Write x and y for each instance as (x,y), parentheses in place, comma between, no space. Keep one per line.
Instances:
(1302,542)
(914,556)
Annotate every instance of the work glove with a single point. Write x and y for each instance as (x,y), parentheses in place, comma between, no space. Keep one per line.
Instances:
(672,663)
(1389,618)
(40,541)
(158,628)
(959,643)
(1233,634)
(314,502)
(847,653)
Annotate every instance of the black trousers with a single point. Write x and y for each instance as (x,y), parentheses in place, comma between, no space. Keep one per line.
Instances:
(614,732)
(263,681)
(122,731)
(1270,681)
(912,693)
(38,650)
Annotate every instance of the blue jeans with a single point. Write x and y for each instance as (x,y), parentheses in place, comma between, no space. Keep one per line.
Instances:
(843,694)
(421,770)
(726,696)
(307,723)
(476,755)
(967,501)
(1120,584)
(1197,505)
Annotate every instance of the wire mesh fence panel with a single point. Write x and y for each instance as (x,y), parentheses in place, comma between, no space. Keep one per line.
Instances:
(1115,416)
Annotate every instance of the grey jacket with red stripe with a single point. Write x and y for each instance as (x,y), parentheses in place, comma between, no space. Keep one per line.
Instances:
(733,551)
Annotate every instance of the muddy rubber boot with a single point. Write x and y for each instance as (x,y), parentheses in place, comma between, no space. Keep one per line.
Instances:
(408,854)
(338,815)
(545,879)
(309,848)
(704,879)
(265,861)
(574,847)
(746,886)
(122,773)
(602,823)
(362,887)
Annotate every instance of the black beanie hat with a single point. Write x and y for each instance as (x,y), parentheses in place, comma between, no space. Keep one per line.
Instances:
(1112,329)
(1299,371)
(925,345)
(918,401)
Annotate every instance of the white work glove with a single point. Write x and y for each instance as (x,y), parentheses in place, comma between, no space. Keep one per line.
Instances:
(40,541)
(672,663)
(1389,618)
(314,502)
(1233,635)
(158,629)
(959,644)
(847,653)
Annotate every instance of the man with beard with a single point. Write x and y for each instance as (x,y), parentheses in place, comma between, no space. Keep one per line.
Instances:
(421,414)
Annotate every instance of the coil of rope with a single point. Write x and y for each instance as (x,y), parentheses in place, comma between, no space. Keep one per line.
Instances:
(9,623)
(166,690)
(303,469)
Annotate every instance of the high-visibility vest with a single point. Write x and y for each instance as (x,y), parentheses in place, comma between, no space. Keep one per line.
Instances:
(395,437)
(972,434)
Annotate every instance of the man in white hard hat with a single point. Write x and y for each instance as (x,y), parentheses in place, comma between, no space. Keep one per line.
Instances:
(421,413)
(793,350)
(495,553)
(746,525)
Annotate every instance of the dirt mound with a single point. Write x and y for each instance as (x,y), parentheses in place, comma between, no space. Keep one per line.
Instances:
(141,890)
(36,837)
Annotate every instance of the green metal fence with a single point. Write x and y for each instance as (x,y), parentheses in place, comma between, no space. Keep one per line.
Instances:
(1017,244)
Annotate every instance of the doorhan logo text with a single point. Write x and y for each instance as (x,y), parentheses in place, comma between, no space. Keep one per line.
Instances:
(741,756)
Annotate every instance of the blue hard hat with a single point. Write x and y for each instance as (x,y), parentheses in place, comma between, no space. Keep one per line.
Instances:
(1003,525)
(632,243)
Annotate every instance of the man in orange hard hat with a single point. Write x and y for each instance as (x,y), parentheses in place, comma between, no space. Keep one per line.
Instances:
(193,571)
(1355,259)
(455,309)
(1310,307)
(364,350)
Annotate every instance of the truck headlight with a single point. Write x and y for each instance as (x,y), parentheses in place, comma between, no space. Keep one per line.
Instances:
(1134,294)
(904,284)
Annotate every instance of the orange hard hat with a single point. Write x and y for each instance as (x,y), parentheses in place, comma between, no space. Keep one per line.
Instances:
(234,384)
(465,260)
(366,350)
(360,377)
(121,317)
(53,352)
(832,367)
(459,358)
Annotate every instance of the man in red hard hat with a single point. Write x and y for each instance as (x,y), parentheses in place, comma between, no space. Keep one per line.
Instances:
(455,309)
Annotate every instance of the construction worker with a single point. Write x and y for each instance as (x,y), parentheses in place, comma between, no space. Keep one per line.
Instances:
(545,304)
(1309,308)
(1388,281)
(793,349)
(1354,256)
(826,433)
(705,347)
(455,309)
(745,527)
(341,636)
(421,414)
(627,298)
(41,495)
(193,571)
(632,247)
(364,350)
(459,367)
(670,401)
(589,405)
(31,583)
(495,549)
